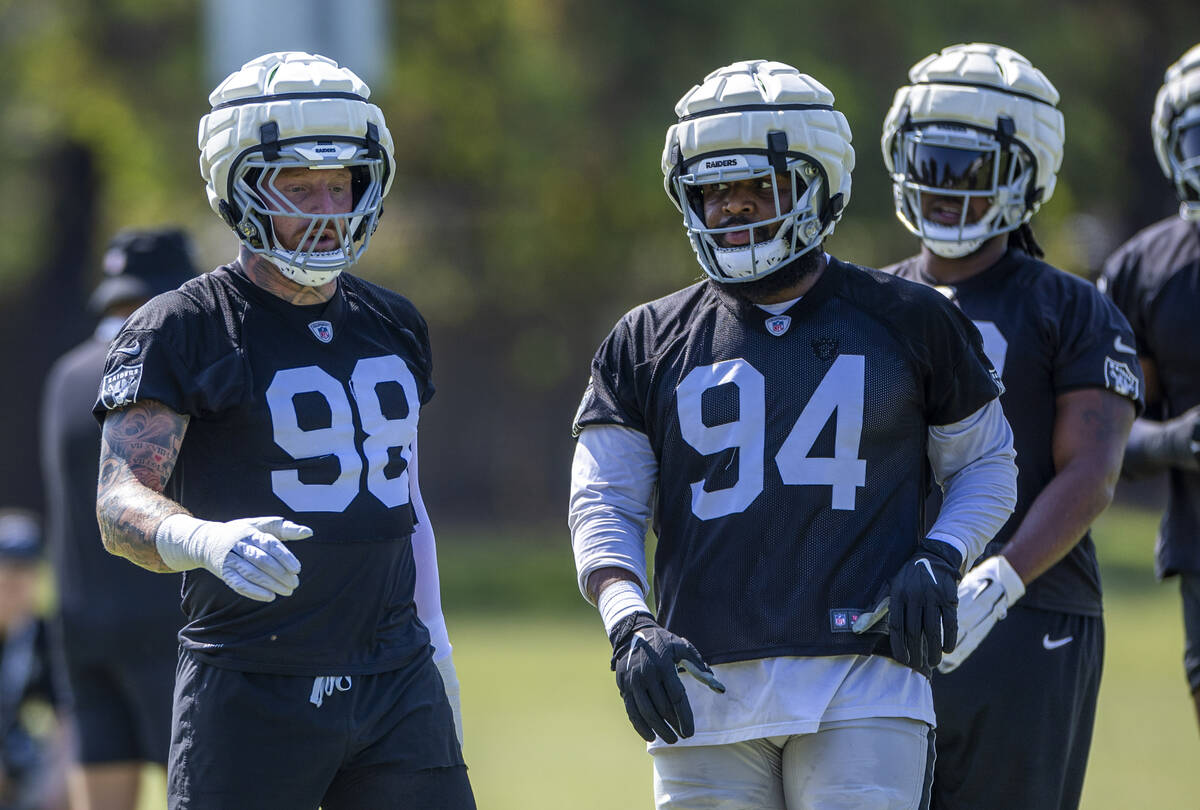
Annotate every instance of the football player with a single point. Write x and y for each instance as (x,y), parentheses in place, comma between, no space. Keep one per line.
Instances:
(1155,279)
(260,434)
(119,653)
(780,420)
(973,144)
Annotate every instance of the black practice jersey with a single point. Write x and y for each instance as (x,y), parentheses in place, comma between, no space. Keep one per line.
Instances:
(791,450)
(1047,332)
(308,412)
(1155,279)
(105,603)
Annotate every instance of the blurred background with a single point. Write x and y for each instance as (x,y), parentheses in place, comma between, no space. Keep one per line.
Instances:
(526,217)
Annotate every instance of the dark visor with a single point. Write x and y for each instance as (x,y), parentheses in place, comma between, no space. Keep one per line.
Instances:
(1188,145)
(949,168)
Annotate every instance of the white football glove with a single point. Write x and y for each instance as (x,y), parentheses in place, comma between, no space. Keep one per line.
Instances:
(247,554)
(445,665)
(984,597)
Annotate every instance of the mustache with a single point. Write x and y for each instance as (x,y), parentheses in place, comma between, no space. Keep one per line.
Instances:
(736,219)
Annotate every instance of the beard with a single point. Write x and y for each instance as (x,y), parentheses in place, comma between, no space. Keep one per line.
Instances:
(775,282)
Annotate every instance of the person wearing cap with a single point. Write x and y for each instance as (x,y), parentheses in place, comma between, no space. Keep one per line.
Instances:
(115,623)
(260,434)
(32,761)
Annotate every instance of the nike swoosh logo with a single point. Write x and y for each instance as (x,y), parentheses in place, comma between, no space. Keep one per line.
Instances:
(928,568)
(1056,643)
(1122,346)
(133,350)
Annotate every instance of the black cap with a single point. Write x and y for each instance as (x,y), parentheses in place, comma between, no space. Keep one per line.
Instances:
(140,264)
(20,537)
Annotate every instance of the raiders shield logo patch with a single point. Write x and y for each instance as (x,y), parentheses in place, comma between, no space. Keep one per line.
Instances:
(322,330)
(120,387)
(779,324)
(1120,379)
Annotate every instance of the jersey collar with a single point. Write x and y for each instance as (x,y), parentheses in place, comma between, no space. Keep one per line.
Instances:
(298,316)
(809,302)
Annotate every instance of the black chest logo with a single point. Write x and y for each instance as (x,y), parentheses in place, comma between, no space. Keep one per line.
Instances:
(825,348)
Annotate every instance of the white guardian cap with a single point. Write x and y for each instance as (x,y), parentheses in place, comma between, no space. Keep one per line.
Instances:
(751,120)
(293,110)
(977,121)
(1175,128)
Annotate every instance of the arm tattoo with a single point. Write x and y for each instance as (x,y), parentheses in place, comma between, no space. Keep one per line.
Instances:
(138,449)
(1100,423)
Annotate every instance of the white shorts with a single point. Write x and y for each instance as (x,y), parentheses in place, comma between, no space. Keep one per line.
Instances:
(878,763)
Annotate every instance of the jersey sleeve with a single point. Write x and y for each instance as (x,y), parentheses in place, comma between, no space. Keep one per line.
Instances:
(164,352)
(611,397)
(1119,281)
(413,321)
(404,316)
(1096,346)
(959,377)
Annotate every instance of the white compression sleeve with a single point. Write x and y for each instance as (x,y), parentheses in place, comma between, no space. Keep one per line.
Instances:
(612,486)
(975,464)
(428,594)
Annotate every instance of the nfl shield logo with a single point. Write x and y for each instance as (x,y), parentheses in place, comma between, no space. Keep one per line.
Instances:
(322,330)
(779,324)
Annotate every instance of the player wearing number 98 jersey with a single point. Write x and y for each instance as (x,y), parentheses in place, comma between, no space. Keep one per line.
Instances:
(780,421)
(260,432)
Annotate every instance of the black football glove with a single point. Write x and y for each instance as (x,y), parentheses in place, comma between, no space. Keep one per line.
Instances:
(648,660)
(921,605)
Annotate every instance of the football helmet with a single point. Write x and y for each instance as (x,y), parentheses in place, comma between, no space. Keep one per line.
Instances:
(287,110)
(978,121)
(1175,128)
(759,120)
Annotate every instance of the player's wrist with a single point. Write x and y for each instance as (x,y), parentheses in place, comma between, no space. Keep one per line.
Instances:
(1002,570)
(619,600)
(174,541)
(185,542)
(945,552)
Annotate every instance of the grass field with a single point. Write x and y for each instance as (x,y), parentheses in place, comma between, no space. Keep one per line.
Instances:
(545,728)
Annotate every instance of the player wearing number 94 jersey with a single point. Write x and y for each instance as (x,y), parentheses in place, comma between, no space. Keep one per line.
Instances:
(260,435)
(780,420)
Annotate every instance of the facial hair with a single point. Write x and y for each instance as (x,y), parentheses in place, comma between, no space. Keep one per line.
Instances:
(776,281)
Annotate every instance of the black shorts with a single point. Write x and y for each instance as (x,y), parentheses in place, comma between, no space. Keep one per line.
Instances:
(121,703)
(1189,589)
(244,739)
(1014,722)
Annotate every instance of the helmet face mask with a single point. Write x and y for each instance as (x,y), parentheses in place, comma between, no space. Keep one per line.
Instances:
(951,168)
(286,111)
(768,131)
(255,194)
(1175,129)
(976,123)
(788,230)
(1183,155)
